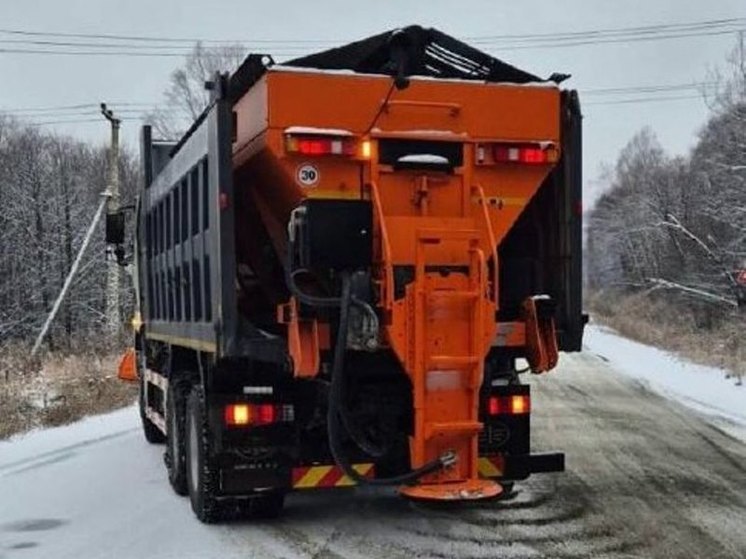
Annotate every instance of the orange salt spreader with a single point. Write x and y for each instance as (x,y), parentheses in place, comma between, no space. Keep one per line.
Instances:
(345,266)
(445,168)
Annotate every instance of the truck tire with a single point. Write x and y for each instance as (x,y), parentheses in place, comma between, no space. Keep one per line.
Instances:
(201,471)
(152,434)
(175,456)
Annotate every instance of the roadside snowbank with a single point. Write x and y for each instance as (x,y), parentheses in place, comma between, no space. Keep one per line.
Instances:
(704,389)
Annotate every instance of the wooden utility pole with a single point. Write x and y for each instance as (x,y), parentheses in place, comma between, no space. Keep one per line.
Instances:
(113,320)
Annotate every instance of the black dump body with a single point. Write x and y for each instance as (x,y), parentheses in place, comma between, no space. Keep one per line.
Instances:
(187,263)
(408,51)
(415,51)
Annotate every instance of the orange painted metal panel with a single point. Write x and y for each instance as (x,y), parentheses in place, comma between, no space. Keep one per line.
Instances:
(444,226)
(349,101)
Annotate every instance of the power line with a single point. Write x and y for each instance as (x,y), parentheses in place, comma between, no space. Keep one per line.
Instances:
(65,108)
(644,100)
(635,101)
(646,29)
(505,42)
(24,42)
(70,121)
(141,108)
(606,41)
(93,44)
(90,53)
(179,54)
(145,38)
(648,88)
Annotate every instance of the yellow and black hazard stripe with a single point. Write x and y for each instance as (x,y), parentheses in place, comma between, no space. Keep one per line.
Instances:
(312,477)
(491,466)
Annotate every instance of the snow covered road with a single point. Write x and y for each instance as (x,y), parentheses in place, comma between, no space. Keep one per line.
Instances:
(646,477)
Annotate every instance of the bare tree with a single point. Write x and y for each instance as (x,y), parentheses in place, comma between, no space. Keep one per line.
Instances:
(186,96)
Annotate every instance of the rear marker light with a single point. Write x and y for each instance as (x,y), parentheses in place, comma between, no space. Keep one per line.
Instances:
(518,404)
(238,414)
(529,154)
(241,415)
(265,414)
(318,145)
(365,149)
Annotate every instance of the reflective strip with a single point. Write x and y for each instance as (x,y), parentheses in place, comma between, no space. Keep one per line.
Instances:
(199,345)
(490,466)
(327,476)
(157,379)
(156,419)
(363,469)
(312,477)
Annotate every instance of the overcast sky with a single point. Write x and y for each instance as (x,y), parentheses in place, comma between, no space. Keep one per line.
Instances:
(34,80)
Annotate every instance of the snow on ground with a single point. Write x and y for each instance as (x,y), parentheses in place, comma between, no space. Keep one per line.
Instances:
(704,389)
(29,446)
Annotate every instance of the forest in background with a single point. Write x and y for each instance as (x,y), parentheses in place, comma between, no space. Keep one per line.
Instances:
(666,242)
(50,188)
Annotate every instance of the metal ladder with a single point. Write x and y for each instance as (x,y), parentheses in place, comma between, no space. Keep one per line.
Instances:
(446,411)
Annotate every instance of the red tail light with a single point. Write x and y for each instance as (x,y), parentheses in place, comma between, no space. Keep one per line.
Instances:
(319,145)
(517,404)
(530,154)
(536,153)
(265,414)
(240,415)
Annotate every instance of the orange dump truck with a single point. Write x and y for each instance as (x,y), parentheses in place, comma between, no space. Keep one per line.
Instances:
(344,266)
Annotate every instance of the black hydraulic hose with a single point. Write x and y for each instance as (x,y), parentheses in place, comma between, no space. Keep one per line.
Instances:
(315,301)
(337,410)
(343,413)
(305,298)
(336,395)
(381,107)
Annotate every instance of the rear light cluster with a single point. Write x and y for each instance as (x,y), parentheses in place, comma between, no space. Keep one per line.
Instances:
(314,142)
(319,145)
(240,415)
(541,153)
(518,404)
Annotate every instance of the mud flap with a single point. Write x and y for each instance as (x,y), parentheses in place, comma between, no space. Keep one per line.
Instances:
(541,335)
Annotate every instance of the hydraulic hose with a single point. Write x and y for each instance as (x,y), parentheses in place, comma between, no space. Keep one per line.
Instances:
(338,416)
(316,301)
(336,396)
(338,390)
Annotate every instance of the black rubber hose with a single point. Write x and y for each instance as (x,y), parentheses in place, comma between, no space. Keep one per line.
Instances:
(337,409)
(336,395)
(305,298)
(315,301)
(337,391)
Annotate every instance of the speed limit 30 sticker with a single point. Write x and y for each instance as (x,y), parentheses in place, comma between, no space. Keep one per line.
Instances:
(307,175)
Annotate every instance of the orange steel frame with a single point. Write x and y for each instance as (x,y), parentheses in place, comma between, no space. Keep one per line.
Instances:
(443,327)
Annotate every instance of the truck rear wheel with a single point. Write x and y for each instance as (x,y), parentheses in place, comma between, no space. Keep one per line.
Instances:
(175,434)
(201,472)
(152,434)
